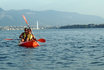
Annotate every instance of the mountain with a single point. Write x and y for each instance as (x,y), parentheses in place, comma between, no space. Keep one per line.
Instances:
(46,18)
(1,10)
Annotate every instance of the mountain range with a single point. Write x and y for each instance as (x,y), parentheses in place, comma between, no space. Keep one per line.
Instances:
(46,18)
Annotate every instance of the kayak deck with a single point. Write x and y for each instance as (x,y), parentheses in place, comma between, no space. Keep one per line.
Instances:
(29,44)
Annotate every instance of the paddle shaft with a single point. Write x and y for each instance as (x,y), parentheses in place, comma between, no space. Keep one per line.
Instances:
(39,40)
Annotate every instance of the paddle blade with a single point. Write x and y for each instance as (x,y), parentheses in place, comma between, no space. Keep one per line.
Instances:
(11,39)
(8,39)
(24,19)
(41,40)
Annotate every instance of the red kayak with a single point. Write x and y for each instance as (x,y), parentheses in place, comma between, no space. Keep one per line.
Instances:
(29,44)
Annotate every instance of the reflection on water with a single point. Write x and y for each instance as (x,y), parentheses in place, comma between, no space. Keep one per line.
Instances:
(67,49)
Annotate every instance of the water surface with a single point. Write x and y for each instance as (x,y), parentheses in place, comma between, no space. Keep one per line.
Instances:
(65,49)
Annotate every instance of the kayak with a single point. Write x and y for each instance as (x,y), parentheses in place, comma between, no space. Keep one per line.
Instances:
(29,44)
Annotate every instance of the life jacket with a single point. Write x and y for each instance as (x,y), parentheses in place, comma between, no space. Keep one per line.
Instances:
(24,35)
(30,36)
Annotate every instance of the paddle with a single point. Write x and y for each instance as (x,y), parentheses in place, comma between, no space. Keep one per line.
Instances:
(25,20)
(11,39)
(40,40)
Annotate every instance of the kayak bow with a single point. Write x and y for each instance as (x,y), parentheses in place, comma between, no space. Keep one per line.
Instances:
(29,44)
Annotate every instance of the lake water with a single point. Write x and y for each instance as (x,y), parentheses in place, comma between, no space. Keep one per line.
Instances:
(65,49)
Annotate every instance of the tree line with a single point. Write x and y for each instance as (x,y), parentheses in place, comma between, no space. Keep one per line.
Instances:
(82,26)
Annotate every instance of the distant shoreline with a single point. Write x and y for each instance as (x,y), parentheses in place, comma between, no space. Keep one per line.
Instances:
(82,26)
(78,26)
(54,27)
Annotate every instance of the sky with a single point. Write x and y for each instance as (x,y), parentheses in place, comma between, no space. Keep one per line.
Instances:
(87,7)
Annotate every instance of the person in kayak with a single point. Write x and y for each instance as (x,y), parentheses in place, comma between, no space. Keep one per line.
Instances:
(30,36)
(23,35)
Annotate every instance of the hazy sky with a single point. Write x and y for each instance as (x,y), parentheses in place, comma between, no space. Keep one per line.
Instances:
(89,7)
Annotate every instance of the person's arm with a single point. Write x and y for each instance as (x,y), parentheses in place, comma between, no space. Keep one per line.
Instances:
(34,37)
(21,35)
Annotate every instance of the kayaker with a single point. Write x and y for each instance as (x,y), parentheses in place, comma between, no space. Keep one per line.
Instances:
(30,36)
(23,35)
